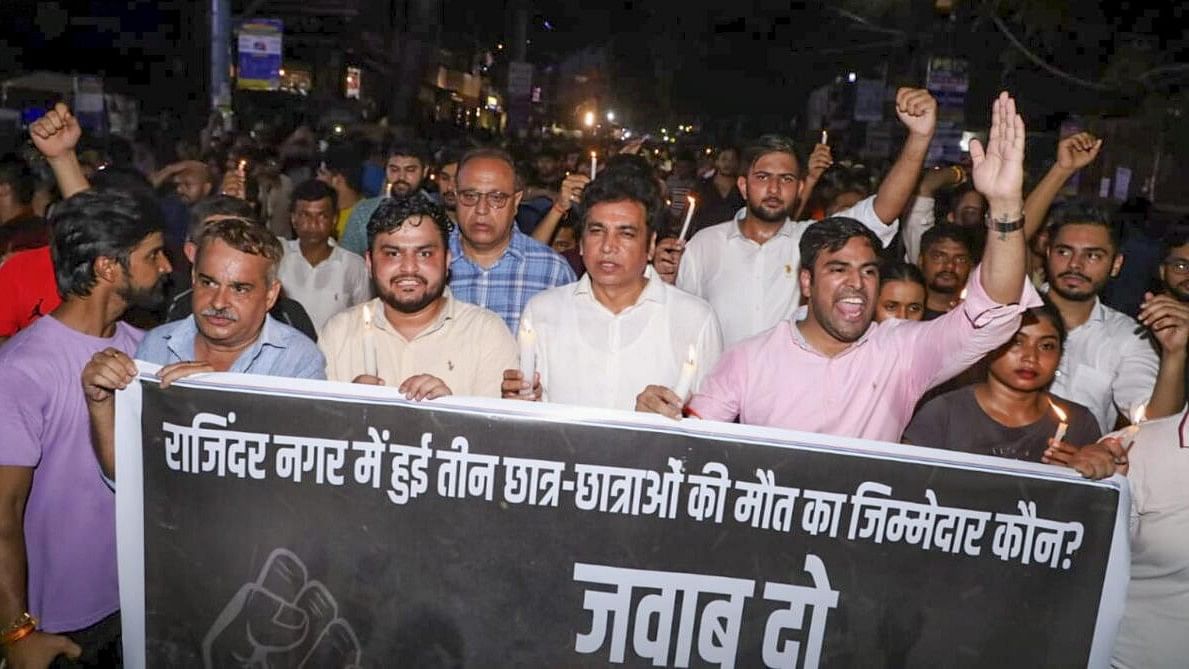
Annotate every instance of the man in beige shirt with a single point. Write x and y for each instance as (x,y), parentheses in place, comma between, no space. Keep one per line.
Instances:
(415,333)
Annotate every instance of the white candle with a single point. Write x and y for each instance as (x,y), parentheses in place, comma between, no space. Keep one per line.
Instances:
(825,137)
(1138,415)
(369,343)
(686,381)
(689,215)
(528,353)
(1062,426)
(594,164)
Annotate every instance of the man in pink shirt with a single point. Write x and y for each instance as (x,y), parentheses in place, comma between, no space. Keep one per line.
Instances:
(836,372)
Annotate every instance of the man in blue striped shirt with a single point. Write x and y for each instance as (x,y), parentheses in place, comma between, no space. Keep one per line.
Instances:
(494,264)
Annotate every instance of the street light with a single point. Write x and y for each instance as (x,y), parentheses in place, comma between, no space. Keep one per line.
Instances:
(588,119)
(610,117)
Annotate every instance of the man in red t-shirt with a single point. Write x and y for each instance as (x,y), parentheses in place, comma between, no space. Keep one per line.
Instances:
(28,289)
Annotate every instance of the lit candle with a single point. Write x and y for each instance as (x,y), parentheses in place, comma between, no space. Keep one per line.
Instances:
(689,215)
(825,136)
(1138,415)
(369,343)
(243,166)
(686,381)
(1062,426)
(594,164)
(528,353)
(962,295)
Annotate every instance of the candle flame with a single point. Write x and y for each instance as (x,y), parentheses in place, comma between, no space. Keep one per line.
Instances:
(242,165)
(962,295)
(1139,414)
(1061,417)
(691,200)
(593,155)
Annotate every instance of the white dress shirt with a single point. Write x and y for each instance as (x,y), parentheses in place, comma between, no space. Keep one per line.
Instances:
(337,283)
(751,286)
(588,356)
(1106,367)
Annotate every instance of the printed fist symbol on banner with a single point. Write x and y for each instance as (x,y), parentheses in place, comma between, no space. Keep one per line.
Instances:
(282,619)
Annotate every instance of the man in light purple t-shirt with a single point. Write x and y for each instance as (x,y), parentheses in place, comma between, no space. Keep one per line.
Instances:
(57,517)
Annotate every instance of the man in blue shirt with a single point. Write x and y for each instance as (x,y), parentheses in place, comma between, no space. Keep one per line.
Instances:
(404,174)
(495,265)
(235,284)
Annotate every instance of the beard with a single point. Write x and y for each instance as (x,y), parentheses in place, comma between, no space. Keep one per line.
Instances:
(148,297)
(411,305)
(1076,294)
(400,188)
(769,213)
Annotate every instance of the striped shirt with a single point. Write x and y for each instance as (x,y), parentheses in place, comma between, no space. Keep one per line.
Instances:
(526,268)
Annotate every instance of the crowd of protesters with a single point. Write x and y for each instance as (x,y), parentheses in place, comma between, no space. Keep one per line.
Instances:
(946,307)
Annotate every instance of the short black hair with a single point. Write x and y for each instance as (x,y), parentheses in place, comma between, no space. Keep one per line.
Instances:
(900,271)
(1177,234)
(125,179)
(619,185)
(15,172)
(216,205)
(97,223)
(1049,312)
(411,149)
(345,160)
(831,234)
(312,190)
(947,232)
(394,211)
(764,145)
(1079,211)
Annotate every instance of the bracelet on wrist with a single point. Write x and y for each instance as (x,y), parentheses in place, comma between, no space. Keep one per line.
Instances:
(18,629)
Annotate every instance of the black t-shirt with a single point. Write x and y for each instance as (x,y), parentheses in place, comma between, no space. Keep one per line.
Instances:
(956,422)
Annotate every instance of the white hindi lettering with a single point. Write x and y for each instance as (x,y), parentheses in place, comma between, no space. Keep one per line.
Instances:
(708,492)
(299,455)
(764,504)
(409,463)
(204,447)
(713,633)
(1028,538)
(821,512)
(464,474)
(820,598)
(369,463)
(536,482)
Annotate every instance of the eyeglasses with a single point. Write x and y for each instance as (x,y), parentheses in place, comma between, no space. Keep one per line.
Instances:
(495,199)
(1177,266)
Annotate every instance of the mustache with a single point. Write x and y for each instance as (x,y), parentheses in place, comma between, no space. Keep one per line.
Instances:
(220,313)
(1078,275)
(405,277)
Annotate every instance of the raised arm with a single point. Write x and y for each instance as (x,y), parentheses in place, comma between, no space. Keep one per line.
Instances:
(917,110)
(998,174)
(55,135)
(1073,153)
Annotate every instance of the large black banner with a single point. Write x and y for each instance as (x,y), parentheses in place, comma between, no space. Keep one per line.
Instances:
(306,529)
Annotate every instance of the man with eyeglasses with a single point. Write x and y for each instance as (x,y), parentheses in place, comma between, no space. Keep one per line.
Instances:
(320,275)
(946,260)
(494,264)
(1174,270)
(747,268)
(1109,364)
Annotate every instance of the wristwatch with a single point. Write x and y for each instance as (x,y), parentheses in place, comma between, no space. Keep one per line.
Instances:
(1004,226)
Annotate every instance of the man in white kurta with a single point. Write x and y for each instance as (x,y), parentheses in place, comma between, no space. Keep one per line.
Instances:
(602,340)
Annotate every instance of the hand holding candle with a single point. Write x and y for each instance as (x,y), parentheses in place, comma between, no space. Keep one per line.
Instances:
(1138,415)
(527,340)
(369,343)
(1062,425)
(686,381)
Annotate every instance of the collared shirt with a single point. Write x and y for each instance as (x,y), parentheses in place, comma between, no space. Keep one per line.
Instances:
(338,282)
(869,391)
(526,268)
(1107,367)
(755,286)
(279,350)
(468,348)
(589,356)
